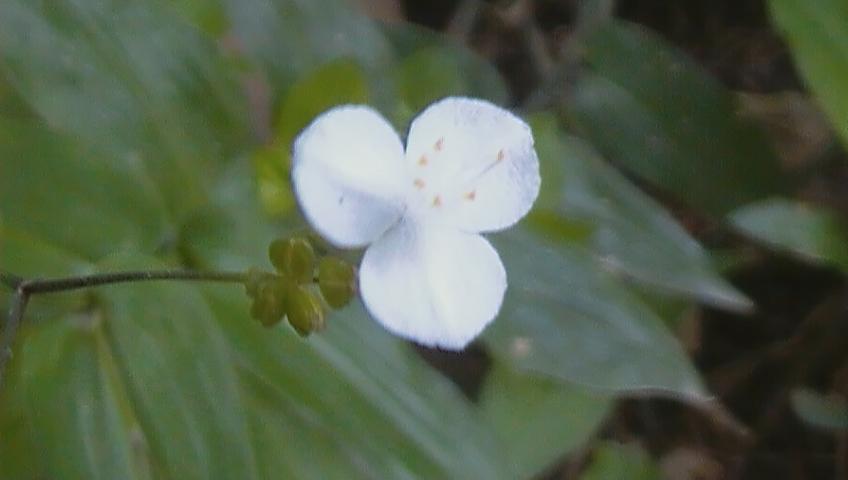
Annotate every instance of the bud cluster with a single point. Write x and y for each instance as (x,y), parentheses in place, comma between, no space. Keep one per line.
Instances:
(301,288)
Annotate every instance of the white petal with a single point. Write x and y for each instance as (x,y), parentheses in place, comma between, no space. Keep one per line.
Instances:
(473,164)
(348,175)
(436,286)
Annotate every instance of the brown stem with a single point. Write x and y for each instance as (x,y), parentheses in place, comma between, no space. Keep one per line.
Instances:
(24,288)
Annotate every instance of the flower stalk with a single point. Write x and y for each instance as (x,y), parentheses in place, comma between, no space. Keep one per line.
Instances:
(23,289)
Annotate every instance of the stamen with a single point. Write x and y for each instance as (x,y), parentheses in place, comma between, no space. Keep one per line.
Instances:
(440,144)
(437,201)
(498,160)
(419,184)
(423,160)
(471,180)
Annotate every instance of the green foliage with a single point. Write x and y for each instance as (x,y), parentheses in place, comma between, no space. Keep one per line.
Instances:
(354,398)
(652,111)
(335,83)
(817,35)
(166,353)
(168,381)
(554,324)
(449,68)
(109,74)
(812,233)
(78,408)
(630,232)
(427,75)
(824,411)
(612,461)
(209,16)
(538,419)
(157,134)
(114,202)
(178,375)
(338,82)
(285,39)
(431,68)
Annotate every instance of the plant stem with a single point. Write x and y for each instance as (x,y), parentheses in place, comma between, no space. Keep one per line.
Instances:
(10,330)
(24,288)
(75,283)
(9,280)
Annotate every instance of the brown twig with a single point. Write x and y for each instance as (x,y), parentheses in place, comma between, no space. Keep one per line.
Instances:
(25,288)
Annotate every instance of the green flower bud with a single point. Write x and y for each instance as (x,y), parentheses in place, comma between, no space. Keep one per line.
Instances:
(305,312)
(293,257)
(337,281)
(254,280)
(269,306)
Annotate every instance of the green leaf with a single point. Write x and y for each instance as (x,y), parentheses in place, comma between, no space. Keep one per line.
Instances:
(433,67)
(539,420)
(364,389)
(818,37)
(287,38)
(141,381)
(29,255)
(233,230)
(565,317)
(76,405)
(347,393)
(621,462)
(43,232)
(142,111)
(11,104)
(292,446)
(66,206)
(129,81)
(208,16)
(20,458)
(633,234)
(69,200)
(178,370)
(652,111)
(824,411)
(338,82)
(813,233)
(427,75)
(335,83)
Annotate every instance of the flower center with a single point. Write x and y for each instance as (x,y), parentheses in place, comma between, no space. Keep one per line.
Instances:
(442,179)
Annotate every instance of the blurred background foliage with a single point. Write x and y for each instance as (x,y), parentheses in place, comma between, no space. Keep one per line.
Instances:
(677,299)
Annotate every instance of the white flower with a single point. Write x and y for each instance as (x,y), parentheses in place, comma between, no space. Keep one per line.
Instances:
(469,167)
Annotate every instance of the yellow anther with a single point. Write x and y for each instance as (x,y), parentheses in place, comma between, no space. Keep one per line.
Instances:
(437,201)
(470,196)
(419,184)
(501,155)
(423,160)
